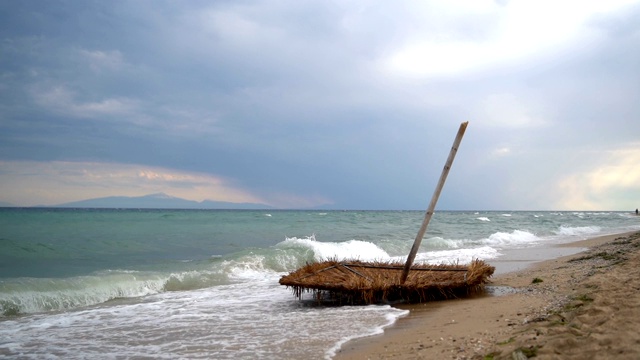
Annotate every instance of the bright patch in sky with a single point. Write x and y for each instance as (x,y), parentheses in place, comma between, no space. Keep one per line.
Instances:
(518,30)
(604,186)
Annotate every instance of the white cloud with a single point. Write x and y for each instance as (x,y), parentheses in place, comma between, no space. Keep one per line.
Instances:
(507,110)
(518,31)
(173,118)
(499,152)
(233,28)
(61,100)
(103,60)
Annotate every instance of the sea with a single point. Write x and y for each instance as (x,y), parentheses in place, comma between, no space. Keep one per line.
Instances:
(203,284)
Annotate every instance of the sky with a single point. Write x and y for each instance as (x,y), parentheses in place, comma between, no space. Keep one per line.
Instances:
(322,104)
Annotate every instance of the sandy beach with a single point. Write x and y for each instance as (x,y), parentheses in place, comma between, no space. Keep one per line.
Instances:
(580,306)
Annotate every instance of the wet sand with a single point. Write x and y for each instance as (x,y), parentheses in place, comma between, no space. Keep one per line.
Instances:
(580,306)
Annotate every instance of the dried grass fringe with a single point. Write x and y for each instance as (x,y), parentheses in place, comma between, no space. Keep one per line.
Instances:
(358,282)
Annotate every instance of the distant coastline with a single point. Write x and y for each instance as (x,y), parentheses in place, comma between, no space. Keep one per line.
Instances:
(151,201)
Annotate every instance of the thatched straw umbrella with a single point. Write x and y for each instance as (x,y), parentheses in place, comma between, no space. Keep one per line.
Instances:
(357,282)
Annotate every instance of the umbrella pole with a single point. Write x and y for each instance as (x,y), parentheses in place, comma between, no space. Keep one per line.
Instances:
(432,204)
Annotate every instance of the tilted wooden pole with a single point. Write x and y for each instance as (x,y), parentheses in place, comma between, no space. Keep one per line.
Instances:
(432,204)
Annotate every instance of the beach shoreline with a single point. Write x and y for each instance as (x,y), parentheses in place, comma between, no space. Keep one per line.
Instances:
(563,307)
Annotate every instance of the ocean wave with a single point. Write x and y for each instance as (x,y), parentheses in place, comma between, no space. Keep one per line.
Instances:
(516,237)
(442,243)
(352,249)
(34,295)
(450,250)
(483,218)
(37,295)
(577,230)
(192,280)
(461,256)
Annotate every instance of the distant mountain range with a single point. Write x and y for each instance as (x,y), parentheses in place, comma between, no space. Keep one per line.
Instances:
(155,201)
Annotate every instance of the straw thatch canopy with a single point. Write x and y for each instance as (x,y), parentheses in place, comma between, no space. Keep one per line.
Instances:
(357,282)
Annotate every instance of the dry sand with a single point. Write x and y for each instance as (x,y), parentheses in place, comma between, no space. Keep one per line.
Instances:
(586,306)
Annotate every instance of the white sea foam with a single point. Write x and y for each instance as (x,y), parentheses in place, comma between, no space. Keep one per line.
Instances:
(483,218)
(390,317)
(253,319)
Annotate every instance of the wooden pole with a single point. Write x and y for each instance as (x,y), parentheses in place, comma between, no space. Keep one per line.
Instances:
(432,204)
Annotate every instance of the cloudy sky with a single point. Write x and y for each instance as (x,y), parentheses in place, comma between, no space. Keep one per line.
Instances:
(345,104)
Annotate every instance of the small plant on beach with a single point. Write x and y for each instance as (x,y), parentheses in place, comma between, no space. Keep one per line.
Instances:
(584,298)
(556,318)
(530,351)
(510,340)
(536,281)
(602,254)
(622,241)
(572,306)
(491,356)
(577,302)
